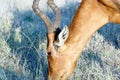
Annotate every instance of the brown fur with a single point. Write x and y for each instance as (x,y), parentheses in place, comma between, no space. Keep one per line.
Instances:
(90,16)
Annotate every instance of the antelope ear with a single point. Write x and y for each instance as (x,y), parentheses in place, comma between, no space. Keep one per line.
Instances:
(62,37)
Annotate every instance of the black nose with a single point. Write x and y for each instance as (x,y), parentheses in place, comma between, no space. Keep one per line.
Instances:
(49,53)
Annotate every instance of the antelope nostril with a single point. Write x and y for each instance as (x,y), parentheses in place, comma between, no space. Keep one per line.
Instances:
(49,53)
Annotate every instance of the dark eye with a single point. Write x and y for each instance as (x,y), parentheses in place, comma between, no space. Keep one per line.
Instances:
(57,32)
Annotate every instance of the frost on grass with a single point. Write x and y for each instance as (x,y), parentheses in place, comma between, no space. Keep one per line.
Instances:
(23,44)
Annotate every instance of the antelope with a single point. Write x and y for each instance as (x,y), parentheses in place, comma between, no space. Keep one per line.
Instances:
(65,46)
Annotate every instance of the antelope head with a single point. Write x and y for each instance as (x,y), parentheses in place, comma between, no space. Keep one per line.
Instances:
(65,46)
(56,36)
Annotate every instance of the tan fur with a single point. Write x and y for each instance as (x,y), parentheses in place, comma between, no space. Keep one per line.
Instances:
(90,16)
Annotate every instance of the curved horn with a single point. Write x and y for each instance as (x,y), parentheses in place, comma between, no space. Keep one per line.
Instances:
(46,20)
(57,13)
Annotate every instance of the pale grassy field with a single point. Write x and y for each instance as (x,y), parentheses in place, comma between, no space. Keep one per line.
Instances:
(23,43)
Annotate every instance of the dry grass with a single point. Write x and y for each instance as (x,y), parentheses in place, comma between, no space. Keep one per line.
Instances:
(23,43)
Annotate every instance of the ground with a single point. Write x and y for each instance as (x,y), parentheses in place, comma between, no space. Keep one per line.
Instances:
(23,44)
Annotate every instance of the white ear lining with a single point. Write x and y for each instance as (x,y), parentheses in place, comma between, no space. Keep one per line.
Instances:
(62,37)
